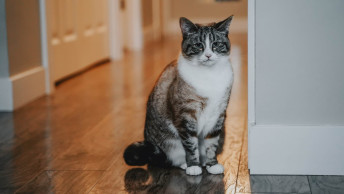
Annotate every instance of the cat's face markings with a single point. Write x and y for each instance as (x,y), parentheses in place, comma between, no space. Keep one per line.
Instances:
(205,44)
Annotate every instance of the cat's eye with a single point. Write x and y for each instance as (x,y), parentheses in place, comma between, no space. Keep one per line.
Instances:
(199,46)
(217,45)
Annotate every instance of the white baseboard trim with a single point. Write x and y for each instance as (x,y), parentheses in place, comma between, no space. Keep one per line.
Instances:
(297,150)
(22,88)
(239,25)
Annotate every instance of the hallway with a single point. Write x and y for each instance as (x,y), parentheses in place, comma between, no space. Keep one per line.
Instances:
(73,141)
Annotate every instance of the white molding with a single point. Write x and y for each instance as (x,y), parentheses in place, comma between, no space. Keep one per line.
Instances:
(251,82)
(134,25)
(297,150)
(251,61)
(49,82)
(115,40)
(28,86)
(22,88)
(171,27)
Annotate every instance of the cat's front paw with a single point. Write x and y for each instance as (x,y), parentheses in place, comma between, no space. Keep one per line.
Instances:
(193,170)
(215,169)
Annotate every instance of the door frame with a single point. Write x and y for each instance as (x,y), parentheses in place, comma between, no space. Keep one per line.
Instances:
(49,83)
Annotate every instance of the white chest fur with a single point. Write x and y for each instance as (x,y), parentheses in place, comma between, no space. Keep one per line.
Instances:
(210,82)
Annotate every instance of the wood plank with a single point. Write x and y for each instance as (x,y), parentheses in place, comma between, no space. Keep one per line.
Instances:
(243,181)
(91,118)
(51,129)
(96,149)
(44,128)
(21,164)
(111,182)
(326,184)
(237,109)
(230,157)
(62,182)
(135,73)
(231,152)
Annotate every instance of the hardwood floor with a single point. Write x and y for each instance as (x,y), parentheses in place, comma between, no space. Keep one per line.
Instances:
(73,141)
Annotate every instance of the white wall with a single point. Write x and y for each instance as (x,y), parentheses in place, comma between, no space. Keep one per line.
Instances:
(4,68)
(131,24)
(300,62)
(22,76)
(296,91)
(23,35)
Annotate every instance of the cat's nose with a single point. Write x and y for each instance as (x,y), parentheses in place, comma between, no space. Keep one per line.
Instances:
(208,55)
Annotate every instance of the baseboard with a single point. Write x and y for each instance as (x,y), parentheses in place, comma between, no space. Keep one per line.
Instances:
(297,150)
(21,88)
(82,70)
(239,25)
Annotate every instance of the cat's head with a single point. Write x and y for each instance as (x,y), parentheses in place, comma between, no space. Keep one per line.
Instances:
(205,44)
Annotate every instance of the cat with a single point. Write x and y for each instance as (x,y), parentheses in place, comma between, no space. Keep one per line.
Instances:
(186,109)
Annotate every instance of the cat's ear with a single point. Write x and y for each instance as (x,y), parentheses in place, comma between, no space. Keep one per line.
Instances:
(187,26)
(223,26)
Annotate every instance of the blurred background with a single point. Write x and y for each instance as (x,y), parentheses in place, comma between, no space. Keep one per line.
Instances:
(46,42)
(75,76)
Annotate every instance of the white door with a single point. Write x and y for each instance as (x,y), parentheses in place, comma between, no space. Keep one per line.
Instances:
(77,35)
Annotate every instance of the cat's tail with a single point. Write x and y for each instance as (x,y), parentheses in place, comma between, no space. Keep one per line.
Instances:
(141,153)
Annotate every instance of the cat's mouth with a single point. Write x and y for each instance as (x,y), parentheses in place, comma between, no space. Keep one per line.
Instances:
(208,62)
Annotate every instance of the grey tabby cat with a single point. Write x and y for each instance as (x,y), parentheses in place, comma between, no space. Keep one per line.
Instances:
(186,110)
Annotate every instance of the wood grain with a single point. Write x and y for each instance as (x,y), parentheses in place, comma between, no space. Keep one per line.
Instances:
(80,132)
(62,182)
(73,141)
(231,152)
(236,113)
(243,180)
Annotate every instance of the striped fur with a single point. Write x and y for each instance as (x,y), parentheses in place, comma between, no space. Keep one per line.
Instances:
(186,109)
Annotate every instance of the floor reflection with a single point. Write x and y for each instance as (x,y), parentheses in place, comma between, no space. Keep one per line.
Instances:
(171,180)
(73,141)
